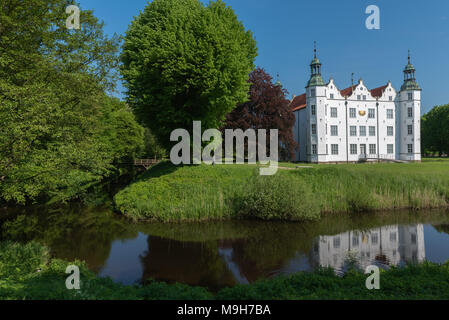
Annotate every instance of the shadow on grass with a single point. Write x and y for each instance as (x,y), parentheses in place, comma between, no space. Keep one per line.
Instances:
(161,169)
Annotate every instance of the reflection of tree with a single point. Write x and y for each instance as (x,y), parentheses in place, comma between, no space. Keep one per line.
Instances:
(192,263)
(84,234)
(442,228)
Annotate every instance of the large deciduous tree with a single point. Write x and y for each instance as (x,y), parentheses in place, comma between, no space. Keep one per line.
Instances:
(184,61)
(59,132)
(267,108)
(435,130)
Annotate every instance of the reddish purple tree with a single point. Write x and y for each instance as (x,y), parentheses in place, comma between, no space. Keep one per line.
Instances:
(267,108)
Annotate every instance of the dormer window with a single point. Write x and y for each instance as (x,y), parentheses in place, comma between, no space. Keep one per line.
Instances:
(332,95)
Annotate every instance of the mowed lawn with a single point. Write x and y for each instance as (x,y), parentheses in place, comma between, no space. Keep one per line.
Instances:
(303,192)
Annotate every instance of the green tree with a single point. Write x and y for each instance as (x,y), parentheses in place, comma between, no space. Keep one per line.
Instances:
(56,122)
(435,130)
(185,61)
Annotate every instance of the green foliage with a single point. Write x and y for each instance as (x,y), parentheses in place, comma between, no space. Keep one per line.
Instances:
(27,272)
(170,193)
(59,132)
(272,197)
(185,61)
(414,282)
(435,130)
(152,147)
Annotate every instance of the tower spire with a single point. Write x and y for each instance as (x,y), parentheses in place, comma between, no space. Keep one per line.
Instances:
(315,70)
(409,76)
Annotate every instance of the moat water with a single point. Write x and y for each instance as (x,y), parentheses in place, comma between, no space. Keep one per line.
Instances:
(221,254)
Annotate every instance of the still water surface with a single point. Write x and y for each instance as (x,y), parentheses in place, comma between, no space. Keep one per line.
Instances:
(221,254)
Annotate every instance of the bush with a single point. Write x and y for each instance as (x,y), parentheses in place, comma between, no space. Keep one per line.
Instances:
(278,197)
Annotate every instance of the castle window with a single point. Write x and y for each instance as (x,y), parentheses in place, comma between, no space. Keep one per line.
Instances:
(410,96)
(389,113)
(390,131)
(313,109)
(390,98)
(413,238)
(334,112)
(364,97)
(410,129)
(372,131)
(390,148)
(393,236)
(353,131)
(352,113)
(359,97)
(371,113)
(313,128)
(334,131)
(362,131)
(374,238)
(355,241)
(353,148)
(334,149)
(410,148)
(312,92)
(314,149)
(372,149)
(332,95)
(410,112)
(336,242)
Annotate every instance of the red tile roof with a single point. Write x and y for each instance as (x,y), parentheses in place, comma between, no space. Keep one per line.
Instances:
(378,91)
(298,102)
(347,92)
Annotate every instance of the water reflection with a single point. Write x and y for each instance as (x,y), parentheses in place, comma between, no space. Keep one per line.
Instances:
(221,254)
(384,246)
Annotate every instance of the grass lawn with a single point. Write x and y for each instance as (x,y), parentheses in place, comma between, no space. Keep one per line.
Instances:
(196,193)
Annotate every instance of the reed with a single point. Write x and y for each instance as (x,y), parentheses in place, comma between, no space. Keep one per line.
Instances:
(197,193)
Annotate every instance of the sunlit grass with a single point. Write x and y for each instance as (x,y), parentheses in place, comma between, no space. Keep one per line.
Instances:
(197,193)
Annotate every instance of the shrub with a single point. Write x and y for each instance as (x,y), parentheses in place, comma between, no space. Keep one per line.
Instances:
(278,197)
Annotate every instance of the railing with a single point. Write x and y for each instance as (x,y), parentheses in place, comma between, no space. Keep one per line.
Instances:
(365,157)
(146,163)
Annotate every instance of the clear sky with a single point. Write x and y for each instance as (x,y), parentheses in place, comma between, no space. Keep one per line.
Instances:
(285,31)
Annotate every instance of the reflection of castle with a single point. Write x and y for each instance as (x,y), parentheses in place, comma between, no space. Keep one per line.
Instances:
(390,245)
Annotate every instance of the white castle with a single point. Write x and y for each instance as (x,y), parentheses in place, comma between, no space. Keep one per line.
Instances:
(357,124)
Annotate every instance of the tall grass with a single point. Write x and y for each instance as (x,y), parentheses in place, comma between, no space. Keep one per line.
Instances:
(197,193)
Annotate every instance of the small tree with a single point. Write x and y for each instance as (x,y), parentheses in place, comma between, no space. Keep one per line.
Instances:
(184,61)
(267,108)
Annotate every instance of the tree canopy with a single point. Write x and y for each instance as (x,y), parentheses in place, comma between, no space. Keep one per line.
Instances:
(186,61)
(59,131)
(435,130)
(267,108)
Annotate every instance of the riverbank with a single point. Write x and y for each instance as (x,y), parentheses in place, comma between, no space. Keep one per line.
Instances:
(197,193)
(28,272)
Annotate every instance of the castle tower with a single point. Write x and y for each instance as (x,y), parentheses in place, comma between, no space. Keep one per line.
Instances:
(409,120)
(316,127)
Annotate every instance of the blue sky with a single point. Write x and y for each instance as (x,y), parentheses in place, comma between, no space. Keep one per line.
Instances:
(285,31)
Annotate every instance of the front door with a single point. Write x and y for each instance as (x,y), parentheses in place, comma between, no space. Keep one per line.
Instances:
(363,150)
